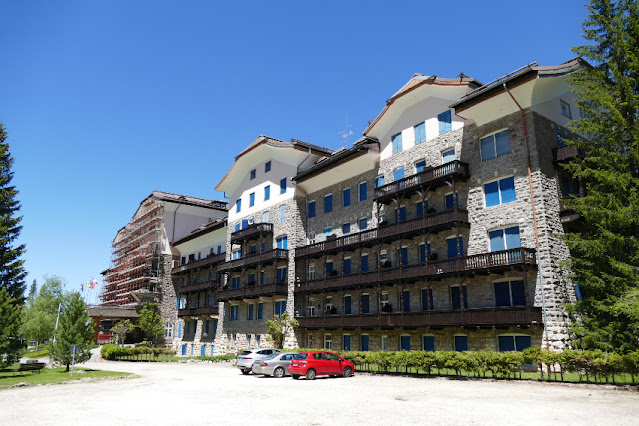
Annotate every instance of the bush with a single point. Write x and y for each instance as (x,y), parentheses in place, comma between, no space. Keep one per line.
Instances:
(113,352)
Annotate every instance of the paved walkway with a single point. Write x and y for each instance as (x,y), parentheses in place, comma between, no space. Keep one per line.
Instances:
(202,393)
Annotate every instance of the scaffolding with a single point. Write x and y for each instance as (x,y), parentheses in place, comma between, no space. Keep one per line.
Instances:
(136,258)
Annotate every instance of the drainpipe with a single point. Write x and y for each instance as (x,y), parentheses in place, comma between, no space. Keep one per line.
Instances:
(532,201)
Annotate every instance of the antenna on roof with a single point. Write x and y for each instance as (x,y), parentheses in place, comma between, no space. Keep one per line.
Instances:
(346,132)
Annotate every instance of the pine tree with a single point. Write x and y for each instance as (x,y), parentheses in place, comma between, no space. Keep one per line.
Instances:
(12,272)
(75,328)
(10,346)
(33,290)
(605,248)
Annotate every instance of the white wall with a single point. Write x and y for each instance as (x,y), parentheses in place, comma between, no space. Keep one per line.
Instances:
(203,244)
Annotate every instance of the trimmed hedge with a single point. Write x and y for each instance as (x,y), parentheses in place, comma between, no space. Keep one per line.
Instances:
(113,352)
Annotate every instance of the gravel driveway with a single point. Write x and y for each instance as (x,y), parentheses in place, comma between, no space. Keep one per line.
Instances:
(202,393)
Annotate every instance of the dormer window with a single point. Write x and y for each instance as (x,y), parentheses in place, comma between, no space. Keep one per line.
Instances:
(252,174)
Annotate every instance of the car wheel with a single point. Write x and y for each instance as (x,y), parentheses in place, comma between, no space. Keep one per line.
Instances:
(310,374)
(348,372)
(279,372)
(245,371)
(295,376)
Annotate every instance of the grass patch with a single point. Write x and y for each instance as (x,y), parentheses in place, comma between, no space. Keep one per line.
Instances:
(43,351)
(52,375)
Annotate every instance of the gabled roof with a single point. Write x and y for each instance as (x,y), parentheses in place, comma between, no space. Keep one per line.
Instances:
(185,199)
(202,230)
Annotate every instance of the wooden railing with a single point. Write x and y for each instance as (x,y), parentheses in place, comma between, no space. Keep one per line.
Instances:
(201,310)
(255,229)
(252,291)
(210,260)
(255,259)
(483,261)
(197,285)
(455,167)
(432,221)
(467,317)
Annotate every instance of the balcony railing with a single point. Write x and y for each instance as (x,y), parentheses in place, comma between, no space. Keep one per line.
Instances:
(432,222)
(497,260)
(564,153)
(430,176)
(467,317)
(251,231)
(201,310)
(253,291)
(198,285)
(245,262)
(210,260)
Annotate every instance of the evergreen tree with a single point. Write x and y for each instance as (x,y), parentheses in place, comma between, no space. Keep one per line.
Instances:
(150,322)
(10,346)
(605,247)
(12,272)
(33,290)
(75,328)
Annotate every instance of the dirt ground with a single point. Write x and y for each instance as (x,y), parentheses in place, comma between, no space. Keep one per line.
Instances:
(203,393)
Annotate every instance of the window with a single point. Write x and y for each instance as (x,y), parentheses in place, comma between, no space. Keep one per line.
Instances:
(461,343)
(188,327)
(397,143)
(424,252)
(252,174)
(267,192)
(329,303)
(235,282)
(504,239)
(235,311)
(513,343)
(281,274)
(420,166)
(267,167)
(495,145)
(364,263)
(238,205)
(282,242)
(427,299)
(346,229)
(265,217)
(451,246)
(402,255)
(565,109)
(510,293)
(347,265)
(500,191)
(448,156)
(379,181)
(560,139)
(456,297)
(364,338)
(328,341)
(183,260)
(261,277)
(251,199)
(400,214)
(237,227)
(260,310)
(404,342)
(236,254)
(311,308)
(365,307)
(280,307)
(445,122)
(310,341)
(168,330)
(179,330)
(282,214)
(346,197)
(283,186)
(398,173)
(406,300)
(420,133)
(311,271)
(348,304)
(450,201)
(384,343)
(362,191)
(251,311)
(199,255)
(329,266)
(384,299)
(420,208)
(328,232)
(311,209)
(219,249)
(328,203)
(362,224)
(428,343)
(383,257)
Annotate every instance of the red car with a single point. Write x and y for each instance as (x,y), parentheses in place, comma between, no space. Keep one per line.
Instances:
(319,363)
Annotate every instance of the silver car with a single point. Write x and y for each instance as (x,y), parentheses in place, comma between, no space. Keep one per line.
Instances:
(245,359)
(274,365)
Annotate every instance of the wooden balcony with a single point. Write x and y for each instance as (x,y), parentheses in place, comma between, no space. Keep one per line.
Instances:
(198,285)
(497,261)
(256,259)
(253,291)
(432,222)
(202,310)
(432,177)
(251,232)
(482,317)
(566,153)
(210,260)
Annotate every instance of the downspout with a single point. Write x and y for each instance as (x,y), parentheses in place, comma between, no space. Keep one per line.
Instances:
(532,201)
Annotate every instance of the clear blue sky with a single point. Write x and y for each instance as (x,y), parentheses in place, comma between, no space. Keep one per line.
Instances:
(105,101)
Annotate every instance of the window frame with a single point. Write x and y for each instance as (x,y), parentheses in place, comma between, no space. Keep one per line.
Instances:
(252,199)
(447,151)
(328,207)
(346,197)
(267,167)
(267,192)
(252,174)
(499,190)
(362,195)
(565,109)
(421,140)
(494,144)
(397,143)
(312,210)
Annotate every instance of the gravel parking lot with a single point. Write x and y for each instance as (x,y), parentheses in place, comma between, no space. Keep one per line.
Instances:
(202,393)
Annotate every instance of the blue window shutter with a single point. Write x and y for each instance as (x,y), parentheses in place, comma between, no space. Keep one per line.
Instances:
(397,143)
(328,231)
(506,343)
(379,181)
(455,297)
(188,327)
(420,166)
(364,263)
(507,188)
(251,199)
(429,343)
(267,167)
(347,305)
(461,343)
(405,343)
(364,342)
(522,342)
(445,122)
(491,192)
(178,303)
(422,253)
(238,205)
(402,213)
(512,237)
(311,209)
(244,223)
(267,192)
(260,310)
(347,197)
(487,148)
(406,299)
(398,174)
(519,293)
(283,186)
(450,201)
(365,304)
(502,294)
(328,203)
(420,133)
(502,143)
(329,266)
(404,255)
(206,326)
(263,246)
(237,227)
(363,224)
(461,246)
(497,240)
(184,349)
(419,207)
(347,266)
(452,247)
(346,228)
(560,139)
(347,342)
(362,191)
(219,249)
(448,156)
(180,330)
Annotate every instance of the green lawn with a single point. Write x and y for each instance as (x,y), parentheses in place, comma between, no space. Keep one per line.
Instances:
(52,375)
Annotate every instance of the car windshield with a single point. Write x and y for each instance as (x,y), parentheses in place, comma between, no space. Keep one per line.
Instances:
(271,356)
(246,353)
(301,356)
